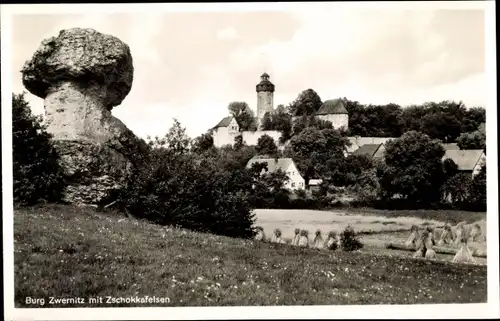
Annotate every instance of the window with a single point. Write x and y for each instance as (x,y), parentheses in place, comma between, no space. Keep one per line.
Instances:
(293,184)
(300,184)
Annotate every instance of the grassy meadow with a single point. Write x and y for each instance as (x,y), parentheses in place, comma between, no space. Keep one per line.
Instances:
(66,251)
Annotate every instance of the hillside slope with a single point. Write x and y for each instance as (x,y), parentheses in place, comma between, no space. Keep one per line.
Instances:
(64,251)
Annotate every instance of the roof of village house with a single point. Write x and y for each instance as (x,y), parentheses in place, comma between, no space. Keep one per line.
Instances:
(332,106)
(367,149)
(224,122)
(273,164)
(315,182)
(451,146)
(465,159)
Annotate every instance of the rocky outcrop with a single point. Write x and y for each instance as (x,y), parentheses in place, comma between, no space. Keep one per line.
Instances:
(82,75)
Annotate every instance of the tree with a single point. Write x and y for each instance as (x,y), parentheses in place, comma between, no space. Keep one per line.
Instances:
(473,140)
(477,198)
(279,120)
(413,169)
(309,121)
(36,171)
(349,170)
(268,187)
(308,102)
(238,142)
(244,115)
(203,143)
(176,141)
(266,146)
(316,151)
(457,188)
(233,158)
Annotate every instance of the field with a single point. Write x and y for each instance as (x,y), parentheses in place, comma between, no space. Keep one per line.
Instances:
(65,251)
(376,228)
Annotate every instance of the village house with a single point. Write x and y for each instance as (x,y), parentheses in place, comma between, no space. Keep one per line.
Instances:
(287,165)
(467,160)
(358,141)
(451,146)
(314,184)
(372,151)
(225,132)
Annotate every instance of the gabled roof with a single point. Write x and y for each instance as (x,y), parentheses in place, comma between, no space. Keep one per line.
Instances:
(315,182)
(224,122)
(465,159)
(332,106)
(367,150)
(380,153)
(273,164)
(451,146)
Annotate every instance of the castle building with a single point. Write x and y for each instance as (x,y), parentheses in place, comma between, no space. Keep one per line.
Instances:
(226,131)
(265,97)
(335,112)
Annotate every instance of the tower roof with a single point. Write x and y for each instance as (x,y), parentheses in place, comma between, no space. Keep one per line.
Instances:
(265,84)
(332,106)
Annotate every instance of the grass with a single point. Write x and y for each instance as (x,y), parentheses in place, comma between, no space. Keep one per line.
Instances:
(64,251)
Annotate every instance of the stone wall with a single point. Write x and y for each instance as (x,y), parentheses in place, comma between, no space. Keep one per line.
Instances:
(251,138)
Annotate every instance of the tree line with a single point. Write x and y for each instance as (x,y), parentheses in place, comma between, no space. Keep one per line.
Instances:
(192,184)
(448,121)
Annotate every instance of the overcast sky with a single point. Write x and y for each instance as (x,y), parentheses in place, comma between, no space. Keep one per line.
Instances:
(191,65)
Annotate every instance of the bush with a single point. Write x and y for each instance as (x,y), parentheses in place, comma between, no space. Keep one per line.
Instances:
(36,173)
(349,240)
(185,189)
(478,193)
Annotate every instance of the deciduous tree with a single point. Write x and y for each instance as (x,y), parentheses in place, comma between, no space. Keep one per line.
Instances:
(36,171)
(244,116)
(413,169)
(307,103)
(266,146)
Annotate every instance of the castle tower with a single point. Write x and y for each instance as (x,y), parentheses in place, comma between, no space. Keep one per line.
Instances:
(265,93)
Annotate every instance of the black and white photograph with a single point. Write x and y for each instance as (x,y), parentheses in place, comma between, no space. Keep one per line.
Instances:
(249,160)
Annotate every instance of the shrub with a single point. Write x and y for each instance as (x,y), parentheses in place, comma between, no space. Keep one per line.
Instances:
(197,192)
(36,173)
(478,193)
(349,240)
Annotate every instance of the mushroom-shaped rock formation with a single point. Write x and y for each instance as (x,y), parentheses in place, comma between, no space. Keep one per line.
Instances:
(82,74)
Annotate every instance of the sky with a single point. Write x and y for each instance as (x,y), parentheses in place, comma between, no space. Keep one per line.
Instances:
(191,65)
